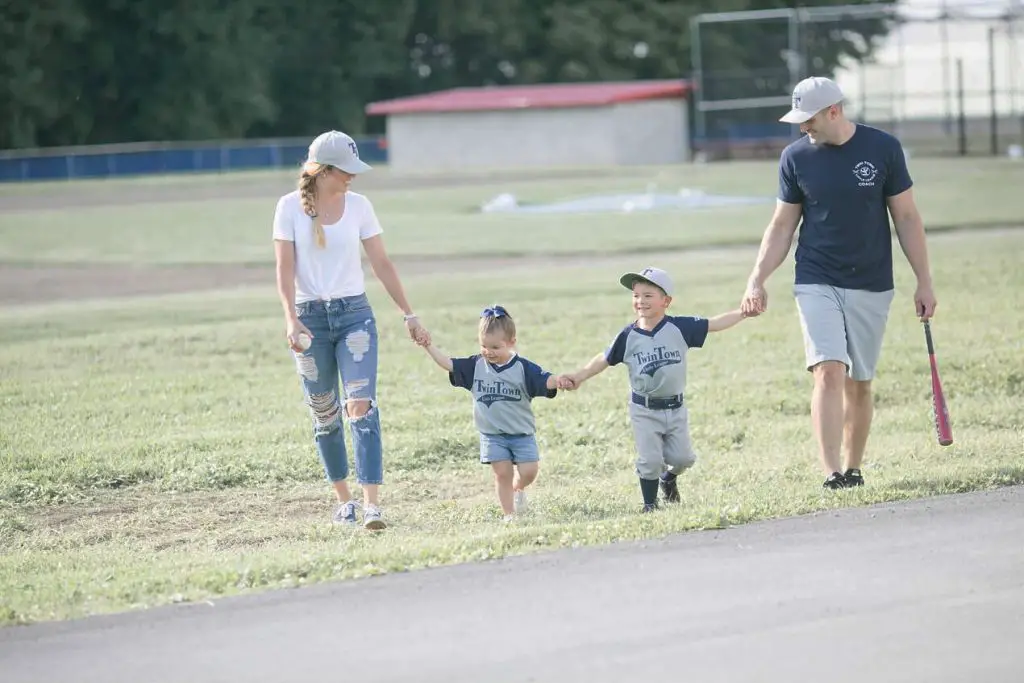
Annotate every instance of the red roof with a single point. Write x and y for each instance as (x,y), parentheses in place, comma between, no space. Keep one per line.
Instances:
(545,96)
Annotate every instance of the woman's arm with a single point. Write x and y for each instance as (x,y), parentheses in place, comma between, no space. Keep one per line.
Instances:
(284,255)
(386,272)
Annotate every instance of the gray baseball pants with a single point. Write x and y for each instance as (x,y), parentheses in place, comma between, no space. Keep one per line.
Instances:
(662,440)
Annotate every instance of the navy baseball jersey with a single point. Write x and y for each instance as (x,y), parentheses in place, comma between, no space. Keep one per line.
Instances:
(845,237)
(501,393)
(656,359)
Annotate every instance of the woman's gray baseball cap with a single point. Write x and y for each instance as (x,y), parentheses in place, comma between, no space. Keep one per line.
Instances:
(654,276)
(810,96)
(334,148)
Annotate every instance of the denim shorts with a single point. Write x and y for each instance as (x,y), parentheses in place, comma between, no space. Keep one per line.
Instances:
(516,448)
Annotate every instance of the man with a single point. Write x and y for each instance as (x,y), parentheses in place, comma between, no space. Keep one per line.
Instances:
(843,180)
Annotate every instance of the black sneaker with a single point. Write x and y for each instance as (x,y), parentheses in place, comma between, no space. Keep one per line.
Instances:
(835,481)
(853,477)
(669,488)
(650,507)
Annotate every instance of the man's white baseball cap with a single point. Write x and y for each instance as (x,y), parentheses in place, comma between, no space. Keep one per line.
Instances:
(336,149)
(654,276)
(810,96)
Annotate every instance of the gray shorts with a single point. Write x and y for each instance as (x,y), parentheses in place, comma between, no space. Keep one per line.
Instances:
(662,440)
(845,325)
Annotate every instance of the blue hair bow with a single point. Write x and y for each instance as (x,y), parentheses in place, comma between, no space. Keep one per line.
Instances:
(494,312)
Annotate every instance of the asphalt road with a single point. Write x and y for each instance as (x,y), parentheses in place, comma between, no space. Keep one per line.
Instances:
(930,591)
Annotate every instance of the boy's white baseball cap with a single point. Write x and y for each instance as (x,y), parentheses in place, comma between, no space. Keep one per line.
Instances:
(334,148)
(810,96)
(651,275)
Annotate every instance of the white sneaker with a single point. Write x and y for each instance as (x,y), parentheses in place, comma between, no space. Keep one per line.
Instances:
(519,502)
(508,519)
(372,518)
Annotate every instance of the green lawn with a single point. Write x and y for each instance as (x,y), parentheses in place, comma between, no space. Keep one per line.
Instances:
(444,221)
(157,450)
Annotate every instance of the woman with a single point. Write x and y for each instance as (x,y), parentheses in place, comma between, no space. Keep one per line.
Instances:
(317,232)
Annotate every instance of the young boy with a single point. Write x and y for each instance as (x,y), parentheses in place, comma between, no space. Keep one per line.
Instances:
(654,350)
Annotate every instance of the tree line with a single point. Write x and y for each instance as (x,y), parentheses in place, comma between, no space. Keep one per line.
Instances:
(104,71)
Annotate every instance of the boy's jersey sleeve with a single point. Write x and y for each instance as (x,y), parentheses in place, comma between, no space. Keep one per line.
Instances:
(693,328)
(616,351)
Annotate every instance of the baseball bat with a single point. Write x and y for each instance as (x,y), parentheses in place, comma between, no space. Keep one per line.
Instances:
(939,410)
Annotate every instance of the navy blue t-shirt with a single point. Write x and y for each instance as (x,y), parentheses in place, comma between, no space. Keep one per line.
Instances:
(845,237)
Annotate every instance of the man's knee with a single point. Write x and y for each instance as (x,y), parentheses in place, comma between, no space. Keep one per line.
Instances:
(858,390)
(830,374)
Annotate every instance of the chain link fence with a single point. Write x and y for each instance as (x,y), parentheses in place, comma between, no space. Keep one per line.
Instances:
(947,78)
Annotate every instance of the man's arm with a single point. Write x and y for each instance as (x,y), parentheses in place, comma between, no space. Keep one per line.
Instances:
(775,245)
(911,236)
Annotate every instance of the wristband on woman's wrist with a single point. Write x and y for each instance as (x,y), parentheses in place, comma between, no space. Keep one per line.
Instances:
(409,316)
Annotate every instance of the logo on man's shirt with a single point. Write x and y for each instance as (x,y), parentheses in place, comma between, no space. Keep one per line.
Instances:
(489,393)
(866,173)
(652,361)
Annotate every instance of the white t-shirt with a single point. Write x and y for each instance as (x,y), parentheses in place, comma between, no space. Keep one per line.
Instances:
(336,270)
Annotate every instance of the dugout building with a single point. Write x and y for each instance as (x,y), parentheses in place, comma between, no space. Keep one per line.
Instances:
(531,126)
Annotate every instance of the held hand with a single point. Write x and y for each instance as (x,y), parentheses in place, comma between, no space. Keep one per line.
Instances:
(295,328)
(755,301)
(566,382)
(417,332)
(924,302)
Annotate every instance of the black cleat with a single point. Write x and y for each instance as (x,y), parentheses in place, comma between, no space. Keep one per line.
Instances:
(669,488)
(835,481)
(650,507)
(853,477)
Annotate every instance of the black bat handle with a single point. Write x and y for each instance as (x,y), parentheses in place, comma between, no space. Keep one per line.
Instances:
(928,337)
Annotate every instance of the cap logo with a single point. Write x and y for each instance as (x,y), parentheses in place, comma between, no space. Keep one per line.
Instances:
(646,271)
(796,101)
(354,149)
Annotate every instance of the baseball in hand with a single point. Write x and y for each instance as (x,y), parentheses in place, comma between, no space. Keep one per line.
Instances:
(303,340)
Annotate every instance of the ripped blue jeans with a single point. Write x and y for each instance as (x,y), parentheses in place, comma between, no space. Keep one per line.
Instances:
(344,345)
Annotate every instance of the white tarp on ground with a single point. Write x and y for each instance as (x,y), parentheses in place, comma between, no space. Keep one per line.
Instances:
(685,199)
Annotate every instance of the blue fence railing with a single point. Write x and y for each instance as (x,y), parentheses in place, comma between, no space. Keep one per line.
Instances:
(102,161)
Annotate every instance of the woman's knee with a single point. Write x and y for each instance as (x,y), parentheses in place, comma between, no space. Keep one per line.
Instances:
(356,408)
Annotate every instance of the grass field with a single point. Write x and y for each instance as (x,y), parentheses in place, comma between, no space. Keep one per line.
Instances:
(445,221)
(156,449)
